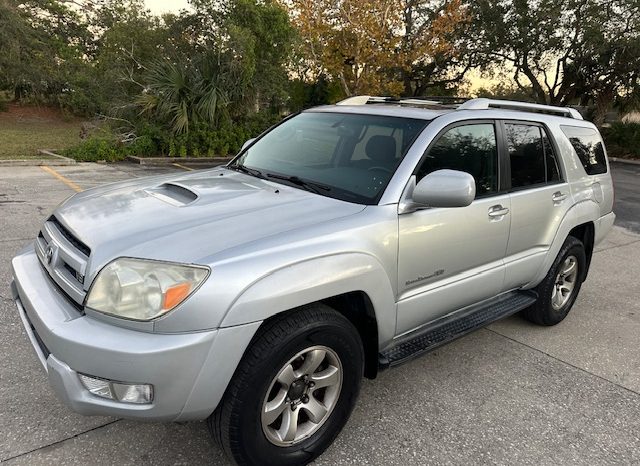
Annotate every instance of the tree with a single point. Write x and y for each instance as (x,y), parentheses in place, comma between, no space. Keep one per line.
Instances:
(128,39)
(254,38)
(185,93)
(564,51)
(233,67)
(436,46)
(377,46)
(41,42)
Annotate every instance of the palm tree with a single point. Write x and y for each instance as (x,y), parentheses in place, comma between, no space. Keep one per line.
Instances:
(183,93)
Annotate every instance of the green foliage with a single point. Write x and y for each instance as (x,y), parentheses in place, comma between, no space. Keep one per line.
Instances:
(152,140)
(202,140)
(563,51)
(303,94)
(200,82)
(622,140)
(95,149)
(42,44)
(183,94)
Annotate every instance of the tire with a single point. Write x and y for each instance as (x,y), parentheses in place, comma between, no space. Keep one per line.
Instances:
(554,301)
(286,348)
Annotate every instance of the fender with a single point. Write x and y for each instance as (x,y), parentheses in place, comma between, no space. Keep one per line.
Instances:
(584,211)
(313,280)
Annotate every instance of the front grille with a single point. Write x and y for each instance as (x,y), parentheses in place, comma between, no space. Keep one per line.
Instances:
(79,245)
(64,257)
(79,307)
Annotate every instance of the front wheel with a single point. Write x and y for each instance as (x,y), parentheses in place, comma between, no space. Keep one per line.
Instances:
(559,289)
(293,391)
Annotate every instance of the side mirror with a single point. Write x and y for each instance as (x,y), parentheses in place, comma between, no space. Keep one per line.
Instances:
(445,188)
(247,143)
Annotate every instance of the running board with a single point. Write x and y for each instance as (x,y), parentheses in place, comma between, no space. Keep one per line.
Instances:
(455,325)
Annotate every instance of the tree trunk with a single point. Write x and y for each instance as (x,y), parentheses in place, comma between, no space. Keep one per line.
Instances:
(18,93)
(406,81)
(604,99)
(345,86)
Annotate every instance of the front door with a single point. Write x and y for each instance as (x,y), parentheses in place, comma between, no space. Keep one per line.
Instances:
(450,258)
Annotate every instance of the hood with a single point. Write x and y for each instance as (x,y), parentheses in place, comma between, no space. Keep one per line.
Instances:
(191,216)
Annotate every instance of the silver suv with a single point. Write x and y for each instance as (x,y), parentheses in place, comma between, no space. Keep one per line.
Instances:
(345,240)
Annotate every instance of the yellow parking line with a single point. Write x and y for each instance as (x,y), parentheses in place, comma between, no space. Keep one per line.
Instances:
(66,181)
(182,166)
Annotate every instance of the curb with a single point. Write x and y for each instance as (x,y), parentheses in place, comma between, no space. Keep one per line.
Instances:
(61,157)
(627,161)
(58,160)
(34,162)
(161,161)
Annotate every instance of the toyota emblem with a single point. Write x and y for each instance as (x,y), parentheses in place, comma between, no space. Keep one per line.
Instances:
(49,254)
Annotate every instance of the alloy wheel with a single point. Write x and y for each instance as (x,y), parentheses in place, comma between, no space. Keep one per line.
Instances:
(302,396)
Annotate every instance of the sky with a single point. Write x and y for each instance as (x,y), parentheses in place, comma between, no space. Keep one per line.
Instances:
(166,6)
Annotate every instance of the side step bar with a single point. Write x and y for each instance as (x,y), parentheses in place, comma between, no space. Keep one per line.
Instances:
(455,325)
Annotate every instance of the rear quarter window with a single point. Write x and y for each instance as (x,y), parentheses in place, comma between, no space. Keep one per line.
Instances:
(588,145)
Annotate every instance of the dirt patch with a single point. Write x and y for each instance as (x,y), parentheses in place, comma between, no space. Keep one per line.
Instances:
(35,114)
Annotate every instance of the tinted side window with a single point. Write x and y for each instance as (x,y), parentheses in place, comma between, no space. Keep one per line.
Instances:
(469,148)
(588,146)
(526,153)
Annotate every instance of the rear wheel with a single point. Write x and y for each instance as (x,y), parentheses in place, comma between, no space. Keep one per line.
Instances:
(293,391)
(559,289)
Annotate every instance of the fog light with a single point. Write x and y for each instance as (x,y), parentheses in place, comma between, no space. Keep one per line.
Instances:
(118,391)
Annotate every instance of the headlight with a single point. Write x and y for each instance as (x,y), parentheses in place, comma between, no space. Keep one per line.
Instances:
(142,289)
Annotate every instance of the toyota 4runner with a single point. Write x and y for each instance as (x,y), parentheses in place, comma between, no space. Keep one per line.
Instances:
(344,240)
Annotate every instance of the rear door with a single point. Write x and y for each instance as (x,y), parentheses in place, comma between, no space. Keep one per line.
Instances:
(539,198)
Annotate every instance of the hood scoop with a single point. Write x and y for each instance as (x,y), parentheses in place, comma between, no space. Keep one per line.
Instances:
(174,194)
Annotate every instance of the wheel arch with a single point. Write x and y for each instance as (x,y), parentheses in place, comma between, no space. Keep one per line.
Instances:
(585,232)
(354,284)
(577,222)
(358,308)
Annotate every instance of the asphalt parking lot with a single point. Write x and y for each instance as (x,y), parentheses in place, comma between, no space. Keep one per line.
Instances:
(512,393)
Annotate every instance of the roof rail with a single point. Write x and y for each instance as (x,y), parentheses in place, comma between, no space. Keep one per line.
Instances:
(477,104)
(463,104)
(415,101)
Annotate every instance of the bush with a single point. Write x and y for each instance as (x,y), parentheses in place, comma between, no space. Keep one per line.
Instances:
(153,141)
(142,146)
(622,139)
(202,140)
(96,149)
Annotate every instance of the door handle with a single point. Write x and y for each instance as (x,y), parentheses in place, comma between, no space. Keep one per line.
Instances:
(558,197)
(497,211)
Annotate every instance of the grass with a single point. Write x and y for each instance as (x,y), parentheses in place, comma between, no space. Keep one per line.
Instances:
(24,130)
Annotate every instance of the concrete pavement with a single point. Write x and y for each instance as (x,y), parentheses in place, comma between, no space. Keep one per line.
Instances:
(512,393)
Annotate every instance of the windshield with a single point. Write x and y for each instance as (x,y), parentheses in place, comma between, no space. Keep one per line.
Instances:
(345,156)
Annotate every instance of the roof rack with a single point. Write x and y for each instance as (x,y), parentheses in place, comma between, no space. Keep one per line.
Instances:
(461,103)
(412,101)
(477,104)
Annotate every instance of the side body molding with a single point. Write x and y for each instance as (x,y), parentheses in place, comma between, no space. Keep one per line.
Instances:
(582,212)
(316,279)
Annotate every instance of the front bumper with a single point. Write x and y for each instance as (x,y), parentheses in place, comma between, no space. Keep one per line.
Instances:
(189,371)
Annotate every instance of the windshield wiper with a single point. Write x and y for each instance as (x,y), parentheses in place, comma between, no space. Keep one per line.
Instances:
(247,170)
(307,185)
